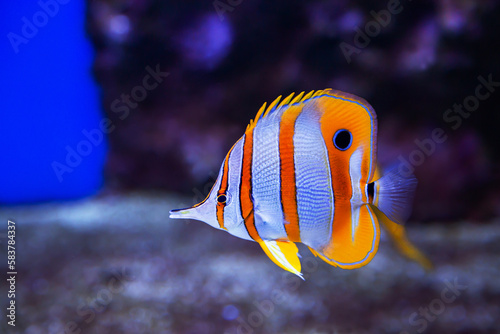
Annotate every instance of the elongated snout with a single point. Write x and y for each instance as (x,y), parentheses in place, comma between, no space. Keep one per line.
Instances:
(205,212)
(186,213)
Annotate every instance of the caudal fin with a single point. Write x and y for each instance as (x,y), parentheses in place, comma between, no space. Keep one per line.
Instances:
(393,195)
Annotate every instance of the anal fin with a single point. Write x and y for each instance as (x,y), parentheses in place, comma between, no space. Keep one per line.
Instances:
(353,244)
(284,254)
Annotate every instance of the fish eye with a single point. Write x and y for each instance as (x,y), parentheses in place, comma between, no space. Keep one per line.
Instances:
(342,139)
(222,198)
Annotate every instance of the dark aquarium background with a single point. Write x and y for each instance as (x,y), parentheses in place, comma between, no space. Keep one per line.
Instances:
(115,112)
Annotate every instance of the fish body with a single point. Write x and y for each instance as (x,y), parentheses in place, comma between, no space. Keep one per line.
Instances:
(305,171)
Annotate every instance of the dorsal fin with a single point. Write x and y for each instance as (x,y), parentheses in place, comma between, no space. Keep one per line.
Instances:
(287,101)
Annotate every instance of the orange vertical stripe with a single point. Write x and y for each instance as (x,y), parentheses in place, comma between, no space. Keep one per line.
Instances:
(246,186)
(287,175)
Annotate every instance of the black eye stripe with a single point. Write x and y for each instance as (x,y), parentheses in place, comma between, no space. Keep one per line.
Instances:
(342,139)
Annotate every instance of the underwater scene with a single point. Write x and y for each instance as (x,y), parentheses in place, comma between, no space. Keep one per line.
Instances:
(247,167)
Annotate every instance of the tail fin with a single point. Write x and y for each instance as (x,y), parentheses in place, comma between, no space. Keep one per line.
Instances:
(393,195)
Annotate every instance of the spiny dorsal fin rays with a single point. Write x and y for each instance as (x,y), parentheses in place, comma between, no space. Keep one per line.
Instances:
(297,98)
(308,95)
(321,92)
(274,103)
(259,113)
(300,98)
(285,101)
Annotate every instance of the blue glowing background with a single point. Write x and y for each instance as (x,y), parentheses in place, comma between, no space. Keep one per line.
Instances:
(49,98)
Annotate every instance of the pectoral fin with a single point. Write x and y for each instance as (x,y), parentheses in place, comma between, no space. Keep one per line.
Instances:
(284,254)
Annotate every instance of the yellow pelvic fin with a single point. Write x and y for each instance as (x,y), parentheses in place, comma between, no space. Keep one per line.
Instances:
(397,233)
(284,254)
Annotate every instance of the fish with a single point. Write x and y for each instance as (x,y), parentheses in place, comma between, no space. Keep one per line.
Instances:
(305,171)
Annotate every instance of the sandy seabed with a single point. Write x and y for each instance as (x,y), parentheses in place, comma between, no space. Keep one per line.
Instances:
(118,264)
